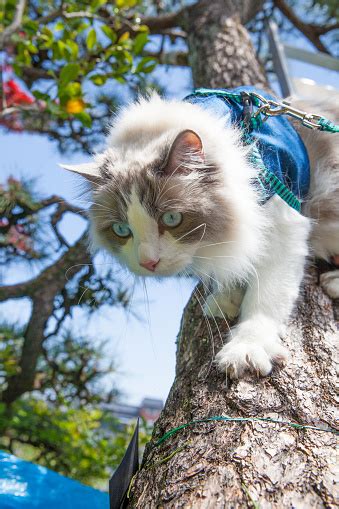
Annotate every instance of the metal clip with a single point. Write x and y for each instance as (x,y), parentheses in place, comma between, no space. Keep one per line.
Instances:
(270,108)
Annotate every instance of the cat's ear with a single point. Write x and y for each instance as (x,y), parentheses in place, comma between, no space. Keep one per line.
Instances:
(186,152)
(88,170)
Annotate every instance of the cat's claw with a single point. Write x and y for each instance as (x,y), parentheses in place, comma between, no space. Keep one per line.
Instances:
(251,353)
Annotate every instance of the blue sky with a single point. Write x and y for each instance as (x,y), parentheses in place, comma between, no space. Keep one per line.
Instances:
(144,351)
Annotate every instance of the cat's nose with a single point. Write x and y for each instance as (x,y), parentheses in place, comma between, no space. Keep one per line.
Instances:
(150,264)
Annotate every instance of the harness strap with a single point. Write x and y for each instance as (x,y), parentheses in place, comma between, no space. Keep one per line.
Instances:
(265,178)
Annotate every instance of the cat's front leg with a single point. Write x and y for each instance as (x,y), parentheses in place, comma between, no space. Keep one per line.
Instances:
(255,343)
(225,303)
(255,346)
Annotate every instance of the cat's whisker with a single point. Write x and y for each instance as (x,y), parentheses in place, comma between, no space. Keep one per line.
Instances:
(129,306)
(169,189)
(89,264)
(209,276)
(218,306)
(191,231)
(218,243)
(167,179)
(83,293)
(209,328)
(77,265)
(212,257)
(109,209)
(240,277)
(172,200)
(251,267)
(254,271)
(148,314)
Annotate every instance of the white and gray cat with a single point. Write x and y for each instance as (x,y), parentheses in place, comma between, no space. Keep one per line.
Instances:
(173,193)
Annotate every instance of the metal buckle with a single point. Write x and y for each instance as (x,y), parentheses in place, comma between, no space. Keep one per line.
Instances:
(270,108)
(247,109)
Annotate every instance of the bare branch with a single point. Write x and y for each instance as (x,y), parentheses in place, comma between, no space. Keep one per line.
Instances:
(16,23)
(179,58)
(156,23)
(309,30)
(17,291)
(43,289)
(321,30)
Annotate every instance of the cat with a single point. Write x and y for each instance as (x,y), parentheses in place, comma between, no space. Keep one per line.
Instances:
(174,193)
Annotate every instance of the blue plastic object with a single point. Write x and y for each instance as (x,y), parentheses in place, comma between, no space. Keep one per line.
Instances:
(29,486)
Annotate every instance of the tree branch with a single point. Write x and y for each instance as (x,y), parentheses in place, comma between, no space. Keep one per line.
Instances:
(309,30)
(17,291)
(43,291)
(16,23)
(178,58)
(166,21)
(321,30)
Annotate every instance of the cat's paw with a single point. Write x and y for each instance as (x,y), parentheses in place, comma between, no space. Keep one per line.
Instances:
(254,347)
(329,282)
(221,305)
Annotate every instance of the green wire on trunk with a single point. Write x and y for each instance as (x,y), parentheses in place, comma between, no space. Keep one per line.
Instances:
(226,418)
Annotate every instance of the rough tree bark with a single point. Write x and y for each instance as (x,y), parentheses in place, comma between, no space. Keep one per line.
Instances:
(233,465)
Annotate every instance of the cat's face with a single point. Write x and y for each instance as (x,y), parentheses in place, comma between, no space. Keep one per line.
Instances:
(154,217)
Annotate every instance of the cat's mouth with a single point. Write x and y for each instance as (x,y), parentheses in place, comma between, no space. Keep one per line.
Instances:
(162,269)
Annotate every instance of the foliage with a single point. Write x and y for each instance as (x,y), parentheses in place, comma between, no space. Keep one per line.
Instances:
(57,418)
(329,8)
(64,63)
(19,225)
(63,423)
(62,53)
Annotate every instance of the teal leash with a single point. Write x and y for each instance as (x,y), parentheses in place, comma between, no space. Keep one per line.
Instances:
(270,108)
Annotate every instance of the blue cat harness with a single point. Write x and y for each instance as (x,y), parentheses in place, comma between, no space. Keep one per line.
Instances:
(277,149)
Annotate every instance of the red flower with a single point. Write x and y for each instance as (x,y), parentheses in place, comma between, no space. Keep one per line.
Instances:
(14,94)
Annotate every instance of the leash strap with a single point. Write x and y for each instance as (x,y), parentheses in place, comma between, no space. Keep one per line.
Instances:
(270,108)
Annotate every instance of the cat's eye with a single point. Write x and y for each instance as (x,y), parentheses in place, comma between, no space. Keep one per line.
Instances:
(171,219)
(121,230)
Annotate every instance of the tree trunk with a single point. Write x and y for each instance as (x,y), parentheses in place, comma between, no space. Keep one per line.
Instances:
(235,464)
(220,50)
(243,464)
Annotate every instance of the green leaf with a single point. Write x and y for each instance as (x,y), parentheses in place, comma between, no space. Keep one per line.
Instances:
(125,4)
(31,27)
(97,3)
(98,79)
(91,39)
(40,95)
(31,48)
(139,42)
(69,73)
(59,26)
(109,33)
(84,118)
(146,65)
(73,49)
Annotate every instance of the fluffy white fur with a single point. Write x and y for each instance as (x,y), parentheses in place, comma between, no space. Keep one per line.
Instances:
(257,272)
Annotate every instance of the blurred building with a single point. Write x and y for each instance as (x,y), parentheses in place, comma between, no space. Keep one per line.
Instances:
(149,409)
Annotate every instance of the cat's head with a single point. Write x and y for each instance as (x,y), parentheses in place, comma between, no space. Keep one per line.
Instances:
(155,204)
